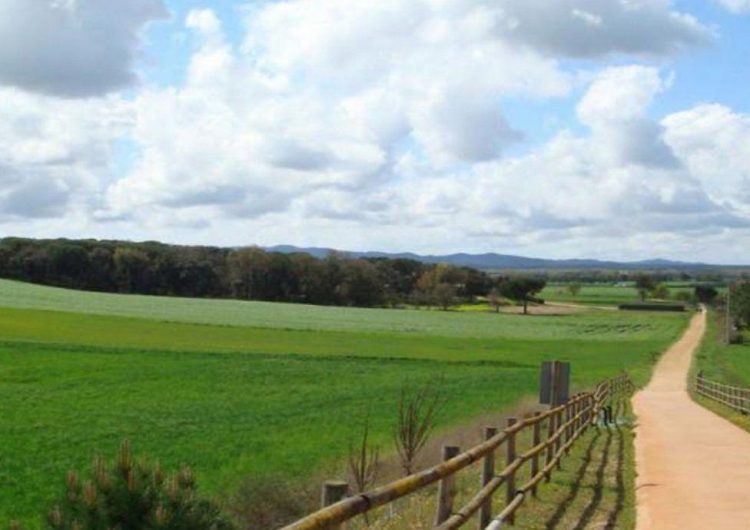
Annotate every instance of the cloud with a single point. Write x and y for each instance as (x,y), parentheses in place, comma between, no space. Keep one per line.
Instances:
(736,6)
(55,154)
(598,28)
(72,48)
(615,108)
(712,141)
(384,124)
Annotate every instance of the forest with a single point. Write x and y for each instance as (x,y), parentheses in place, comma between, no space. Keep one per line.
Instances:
(249,273)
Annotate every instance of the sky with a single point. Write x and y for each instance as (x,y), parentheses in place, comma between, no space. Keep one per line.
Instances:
(614,129)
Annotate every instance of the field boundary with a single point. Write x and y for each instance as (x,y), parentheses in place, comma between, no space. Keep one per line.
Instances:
(734,397)
(563,425)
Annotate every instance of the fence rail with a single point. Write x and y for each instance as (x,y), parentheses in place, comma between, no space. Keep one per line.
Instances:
(734,397)
(564,426)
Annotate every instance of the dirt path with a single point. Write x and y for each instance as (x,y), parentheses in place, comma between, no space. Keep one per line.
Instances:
(693,466)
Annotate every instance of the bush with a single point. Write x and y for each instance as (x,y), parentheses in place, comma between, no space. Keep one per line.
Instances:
(644,306)
(129,495)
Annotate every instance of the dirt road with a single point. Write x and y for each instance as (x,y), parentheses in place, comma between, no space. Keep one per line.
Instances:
(693,466)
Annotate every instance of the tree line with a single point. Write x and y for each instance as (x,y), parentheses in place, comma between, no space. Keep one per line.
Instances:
(243,273)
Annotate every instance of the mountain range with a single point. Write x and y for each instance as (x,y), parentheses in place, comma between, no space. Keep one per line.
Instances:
(493,261)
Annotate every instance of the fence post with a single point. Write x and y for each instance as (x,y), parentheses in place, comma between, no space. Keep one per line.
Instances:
(446,490)
(334,491)
(561,432)
(536,439)
(551,446)
(699,382)
(488,473)
(510,457)
(569,429)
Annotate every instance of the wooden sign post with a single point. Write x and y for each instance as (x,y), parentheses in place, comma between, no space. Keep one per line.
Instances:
(554,387)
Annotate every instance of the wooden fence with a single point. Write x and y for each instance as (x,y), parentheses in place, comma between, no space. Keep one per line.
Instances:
(735,397)
(552,433)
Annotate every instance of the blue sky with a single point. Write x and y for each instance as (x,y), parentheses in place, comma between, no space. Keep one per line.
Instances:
(584,128)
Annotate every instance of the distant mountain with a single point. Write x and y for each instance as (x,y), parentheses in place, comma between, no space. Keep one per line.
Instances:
(492,261)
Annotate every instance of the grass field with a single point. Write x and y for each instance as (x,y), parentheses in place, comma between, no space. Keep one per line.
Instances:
(598,294)
(240,389)
(721,362)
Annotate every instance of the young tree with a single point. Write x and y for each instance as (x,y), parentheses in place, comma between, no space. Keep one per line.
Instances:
(133,495)
(574,288)
(521,289)
(660,292)
(495,299)
(364,459)
(644,284)
(418,408)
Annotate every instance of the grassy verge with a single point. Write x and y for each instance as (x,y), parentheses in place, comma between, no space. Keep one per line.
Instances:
(728,364)
(595,488)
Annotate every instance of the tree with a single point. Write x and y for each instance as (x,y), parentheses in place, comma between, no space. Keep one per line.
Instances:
(133,495)
(660,292)
(444,295)
(644,284)
(739,303)
(705,294)
(574,288)
(416,417)
(521,289)
(131,270)
(495,299)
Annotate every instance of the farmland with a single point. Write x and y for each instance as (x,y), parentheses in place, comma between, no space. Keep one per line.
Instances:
(603,294)
(242,389)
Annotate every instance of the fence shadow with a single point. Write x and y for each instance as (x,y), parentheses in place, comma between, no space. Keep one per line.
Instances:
(575,486)
(608,446)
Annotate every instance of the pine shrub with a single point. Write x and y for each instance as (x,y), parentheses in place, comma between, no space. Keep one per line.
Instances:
(130,495)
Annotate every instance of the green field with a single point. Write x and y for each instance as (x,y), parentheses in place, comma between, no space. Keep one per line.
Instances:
(602,294)
(720,362)
(242,389)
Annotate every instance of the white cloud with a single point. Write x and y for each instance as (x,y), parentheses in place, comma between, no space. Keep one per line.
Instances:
(736,6)
(382,124)
(597,28)
(55,155)
(72,48)
(712,141)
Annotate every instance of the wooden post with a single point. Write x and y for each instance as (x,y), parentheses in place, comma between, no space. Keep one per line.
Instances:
(569,428)
(551,446)
(536,439)
(510,457)
(447,489)
(333,492)
(559,441)
(488,473)
(699,382)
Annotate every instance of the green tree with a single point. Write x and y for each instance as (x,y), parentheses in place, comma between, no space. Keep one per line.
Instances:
(130,495)
(660,292)
(705,294)
(644,284)
(131,269)
(521,289)
(574,288)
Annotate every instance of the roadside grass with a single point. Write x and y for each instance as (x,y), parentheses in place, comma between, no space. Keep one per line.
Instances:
(728,364)
(593,489)
(238,402)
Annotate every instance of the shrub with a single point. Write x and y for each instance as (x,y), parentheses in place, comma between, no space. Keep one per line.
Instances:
(129,495)
(645,306)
